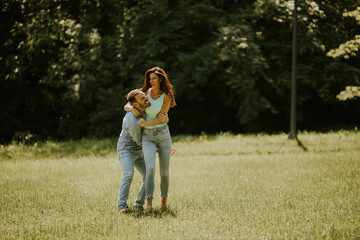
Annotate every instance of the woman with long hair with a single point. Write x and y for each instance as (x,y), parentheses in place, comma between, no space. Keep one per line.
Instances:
(156,134)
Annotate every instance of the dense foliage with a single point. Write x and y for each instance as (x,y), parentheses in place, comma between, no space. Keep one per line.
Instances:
(66,66)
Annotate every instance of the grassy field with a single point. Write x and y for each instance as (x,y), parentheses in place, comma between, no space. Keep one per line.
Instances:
(222,187)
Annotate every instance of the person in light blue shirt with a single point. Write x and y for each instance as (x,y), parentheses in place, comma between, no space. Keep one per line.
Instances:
(129,149)
(156,135)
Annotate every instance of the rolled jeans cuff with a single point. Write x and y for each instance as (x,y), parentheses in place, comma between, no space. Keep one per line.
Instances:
(148,196)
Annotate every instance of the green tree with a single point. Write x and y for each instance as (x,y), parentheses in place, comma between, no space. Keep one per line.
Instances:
(320,27)
(30,33)
(66,66)
(346,50)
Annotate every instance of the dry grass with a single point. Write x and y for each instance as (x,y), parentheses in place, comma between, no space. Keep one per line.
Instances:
(223,187)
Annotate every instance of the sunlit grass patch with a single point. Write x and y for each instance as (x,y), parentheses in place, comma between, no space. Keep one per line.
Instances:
(221,187)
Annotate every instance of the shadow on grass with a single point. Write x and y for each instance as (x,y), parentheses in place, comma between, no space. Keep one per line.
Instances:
(299,143)
(156,213)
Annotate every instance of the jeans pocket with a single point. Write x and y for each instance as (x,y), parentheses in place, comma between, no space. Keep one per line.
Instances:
(164,129)
(164,135)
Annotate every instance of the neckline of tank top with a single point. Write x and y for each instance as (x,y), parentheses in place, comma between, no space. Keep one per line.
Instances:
(152,97)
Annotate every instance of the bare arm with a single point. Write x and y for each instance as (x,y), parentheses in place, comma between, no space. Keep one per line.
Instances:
(130,108)
(160,118)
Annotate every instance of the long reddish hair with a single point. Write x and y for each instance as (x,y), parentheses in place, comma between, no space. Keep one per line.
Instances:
(165,85)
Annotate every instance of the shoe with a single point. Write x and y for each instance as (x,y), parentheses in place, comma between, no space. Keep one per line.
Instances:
(139,208)
(124,210)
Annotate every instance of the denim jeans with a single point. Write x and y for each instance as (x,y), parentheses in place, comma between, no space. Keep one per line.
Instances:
(157,138)
(128,160)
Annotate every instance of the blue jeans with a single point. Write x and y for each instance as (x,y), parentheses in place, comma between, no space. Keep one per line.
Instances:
(128,160)
(157,138)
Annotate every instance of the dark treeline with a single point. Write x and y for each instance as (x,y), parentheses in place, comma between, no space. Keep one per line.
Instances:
(66,65)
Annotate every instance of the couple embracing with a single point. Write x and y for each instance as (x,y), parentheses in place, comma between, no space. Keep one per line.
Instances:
(144,131)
